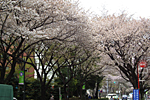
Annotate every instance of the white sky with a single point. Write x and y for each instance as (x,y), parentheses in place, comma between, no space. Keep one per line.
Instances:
(136,7)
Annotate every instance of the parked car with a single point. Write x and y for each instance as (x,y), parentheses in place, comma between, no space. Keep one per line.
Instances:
(124,97)
(113,95)
(129,98)
(14,98)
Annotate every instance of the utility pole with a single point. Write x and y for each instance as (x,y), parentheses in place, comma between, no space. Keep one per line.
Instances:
(119,90)
(24,83)
(107,86)
(60,97)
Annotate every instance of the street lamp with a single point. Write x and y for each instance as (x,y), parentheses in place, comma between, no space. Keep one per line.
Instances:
(24,81)
(22,78)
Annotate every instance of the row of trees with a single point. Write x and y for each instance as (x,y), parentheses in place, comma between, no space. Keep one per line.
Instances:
(125,42)
(49,35)
(33,87)
(59,35)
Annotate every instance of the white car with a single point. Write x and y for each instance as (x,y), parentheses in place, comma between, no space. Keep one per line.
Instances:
(129,98)
(113,95)
(124,97)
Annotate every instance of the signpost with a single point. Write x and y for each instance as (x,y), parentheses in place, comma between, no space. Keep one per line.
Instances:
(143,64)
(101,91)
(135,94)
(21,77)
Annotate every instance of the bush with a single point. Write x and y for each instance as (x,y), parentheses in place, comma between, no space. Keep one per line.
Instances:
(100,99)
(77,98)
(103,99)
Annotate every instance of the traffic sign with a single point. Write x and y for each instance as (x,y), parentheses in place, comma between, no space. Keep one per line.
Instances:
(21,77)
(135,94)
(142,64)
(101,91)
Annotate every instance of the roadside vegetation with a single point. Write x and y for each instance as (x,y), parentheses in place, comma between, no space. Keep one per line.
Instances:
(67,49)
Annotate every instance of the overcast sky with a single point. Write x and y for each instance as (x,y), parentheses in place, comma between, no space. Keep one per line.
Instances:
(136,7)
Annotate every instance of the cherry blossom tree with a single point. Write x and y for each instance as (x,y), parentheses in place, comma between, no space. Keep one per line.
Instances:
(25,23)
(34,26)
(125,41)
(51,58)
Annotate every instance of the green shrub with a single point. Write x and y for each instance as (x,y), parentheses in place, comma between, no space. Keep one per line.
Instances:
(103,99)
(100,99)
(77,98)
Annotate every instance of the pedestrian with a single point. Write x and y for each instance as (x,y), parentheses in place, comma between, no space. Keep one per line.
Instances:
(52,97)
(111,98)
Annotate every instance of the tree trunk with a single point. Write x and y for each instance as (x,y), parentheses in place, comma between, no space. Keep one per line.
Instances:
(43,92)
(3,69)
(96,93)
(81,91)
(2,75)
(142,93)
(11,71)
(65,92)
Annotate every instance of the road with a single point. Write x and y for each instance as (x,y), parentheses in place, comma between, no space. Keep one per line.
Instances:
(131,99)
